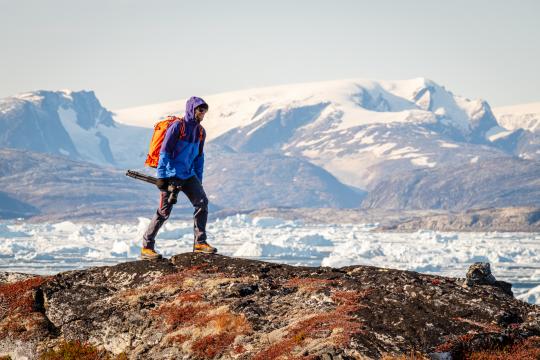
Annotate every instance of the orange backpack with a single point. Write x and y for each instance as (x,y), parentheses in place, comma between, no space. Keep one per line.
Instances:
(160,129)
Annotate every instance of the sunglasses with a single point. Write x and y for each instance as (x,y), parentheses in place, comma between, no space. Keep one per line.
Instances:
(202,110)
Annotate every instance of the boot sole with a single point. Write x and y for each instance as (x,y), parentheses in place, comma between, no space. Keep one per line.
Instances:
(150,257)
(205,252)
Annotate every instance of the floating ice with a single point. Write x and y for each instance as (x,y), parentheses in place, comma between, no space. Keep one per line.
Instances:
(66,226)
(258,250)
(6,232)
(314,240)
(267,222)
(50,248)
(532,296)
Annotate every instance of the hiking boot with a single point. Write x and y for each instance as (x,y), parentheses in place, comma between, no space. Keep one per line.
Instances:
(149,254)
(204,248)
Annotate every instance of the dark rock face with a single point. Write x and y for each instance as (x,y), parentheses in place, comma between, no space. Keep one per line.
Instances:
(38,128)
(36,184)
(198,306)
(32,122)
(480,274)
(490,183)
(13,208)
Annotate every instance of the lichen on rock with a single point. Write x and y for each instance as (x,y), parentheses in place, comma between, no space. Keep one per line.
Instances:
(199,306)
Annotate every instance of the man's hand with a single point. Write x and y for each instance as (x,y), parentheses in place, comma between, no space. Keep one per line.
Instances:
(162,184)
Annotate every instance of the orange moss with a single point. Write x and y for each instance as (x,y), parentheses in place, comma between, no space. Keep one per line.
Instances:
(226,322)
(74,350)
(17,308)
(179,339)
(227,326)
(192,296)
(18,296)
(413,355)
(211,346)
(276,350)
(176,278)
(176,314)
(321,326)
(239,349)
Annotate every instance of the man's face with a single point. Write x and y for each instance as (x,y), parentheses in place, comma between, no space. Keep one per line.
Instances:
(199,113)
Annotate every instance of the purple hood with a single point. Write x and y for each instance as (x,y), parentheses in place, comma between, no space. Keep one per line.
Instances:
(191,104)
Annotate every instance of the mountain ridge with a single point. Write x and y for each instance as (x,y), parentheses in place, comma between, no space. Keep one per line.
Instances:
(348,137)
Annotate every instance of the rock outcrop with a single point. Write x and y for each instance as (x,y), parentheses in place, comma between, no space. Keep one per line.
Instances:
(198,306)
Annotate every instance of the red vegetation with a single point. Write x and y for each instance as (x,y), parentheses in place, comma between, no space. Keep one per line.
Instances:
(74,350)
(211,346)
(18,296)
(192,296)
(452,344)
(239,349)
(177,314)
(178,277)
(414,355)
(179,339)
(526,350)
(227,327)
(18,316)
(320,326)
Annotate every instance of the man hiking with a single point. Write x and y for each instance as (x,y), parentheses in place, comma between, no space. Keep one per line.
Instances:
(181,161)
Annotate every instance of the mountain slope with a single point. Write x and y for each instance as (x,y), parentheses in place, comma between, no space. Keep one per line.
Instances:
(304,145)
(254,181)
(70,123)
(57,187)
(489,183)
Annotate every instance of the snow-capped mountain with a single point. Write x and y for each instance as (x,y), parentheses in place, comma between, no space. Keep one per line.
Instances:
(524,116)
(518,132)
(326,144)
(70,123)
(358,130)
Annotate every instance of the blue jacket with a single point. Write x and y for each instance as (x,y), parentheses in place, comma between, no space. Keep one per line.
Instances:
(183,158)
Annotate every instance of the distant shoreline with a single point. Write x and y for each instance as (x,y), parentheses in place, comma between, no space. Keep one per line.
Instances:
(515,219)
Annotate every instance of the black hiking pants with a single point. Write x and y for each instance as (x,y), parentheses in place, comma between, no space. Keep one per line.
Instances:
(194,191)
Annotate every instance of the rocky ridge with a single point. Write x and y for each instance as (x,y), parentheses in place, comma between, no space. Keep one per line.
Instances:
(198,306)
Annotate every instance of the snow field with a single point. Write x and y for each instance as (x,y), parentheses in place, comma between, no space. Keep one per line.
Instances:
(50,248)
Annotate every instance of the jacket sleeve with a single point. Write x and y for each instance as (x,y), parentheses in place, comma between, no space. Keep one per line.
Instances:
(166,154)
(199,160)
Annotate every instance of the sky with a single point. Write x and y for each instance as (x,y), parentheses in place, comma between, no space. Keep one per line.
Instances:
(139,52)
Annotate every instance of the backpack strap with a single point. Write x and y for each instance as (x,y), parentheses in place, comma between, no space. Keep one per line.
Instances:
(182,125)
(182,128)
(201,133)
